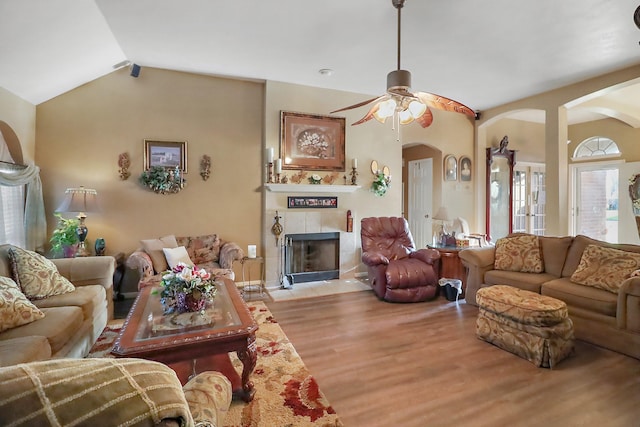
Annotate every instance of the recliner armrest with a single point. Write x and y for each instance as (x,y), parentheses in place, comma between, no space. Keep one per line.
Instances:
(374,258)
(429,256)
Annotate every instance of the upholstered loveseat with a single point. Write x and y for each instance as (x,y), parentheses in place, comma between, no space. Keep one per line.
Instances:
(594,278)
(132,392)
(208,251)
(62,325)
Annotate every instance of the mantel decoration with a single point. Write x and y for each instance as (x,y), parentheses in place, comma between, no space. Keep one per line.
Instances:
(186,288)
(634,194)
(162,180)
(315,179)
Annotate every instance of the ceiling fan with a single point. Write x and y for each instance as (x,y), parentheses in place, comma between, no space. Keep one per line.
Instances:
(400,103)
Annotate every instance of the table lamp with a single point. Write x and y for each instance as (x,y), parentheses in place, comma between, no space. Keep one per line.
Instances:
(443,216)
(80,200)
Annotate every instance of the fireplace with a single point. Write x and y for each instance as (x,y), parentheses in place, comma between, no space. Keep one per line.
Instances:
(312,256)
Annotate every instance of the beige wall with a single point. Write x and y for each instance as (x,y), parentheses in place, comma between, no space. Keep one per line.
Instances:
(20,115)
(81,133)
(527,138)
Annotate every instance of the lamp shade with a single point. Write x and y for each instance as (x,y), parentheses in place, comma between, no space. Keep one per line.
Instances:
(79,200)
(442,214)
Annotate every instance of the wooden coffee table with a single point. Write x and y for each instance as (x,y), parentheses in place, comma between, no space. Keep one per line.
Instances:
(149,334)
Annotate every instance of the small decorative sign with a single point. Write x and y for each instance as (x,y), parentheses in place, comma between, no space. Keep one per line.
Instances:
(312,202)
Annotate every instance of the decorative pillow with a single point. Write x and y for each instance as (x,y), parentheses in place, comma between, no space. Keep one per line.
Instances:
(605,268)
(519,253)
(37,276)
(15,308)
(153,247)
(176,255)
(201,249)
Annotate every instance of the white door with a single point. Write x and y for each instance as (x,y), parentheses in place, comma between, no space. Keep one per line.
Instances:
(420,196)
(529,198)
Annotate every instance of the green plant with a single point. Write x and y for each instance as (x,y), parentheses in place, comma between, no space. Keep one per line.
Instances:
(380,184)
(65,235)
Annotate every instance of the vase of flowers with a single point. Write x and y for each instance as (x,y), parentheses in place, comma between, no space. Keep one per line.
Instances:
(380,184)
(186,288)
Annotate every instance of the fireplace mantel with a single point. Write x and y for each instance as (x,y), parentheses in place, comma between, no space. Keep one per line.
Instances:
(311,188)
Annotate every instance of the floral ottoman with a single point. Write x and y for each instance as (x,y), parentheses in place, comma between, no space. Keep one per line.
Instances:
(533,326)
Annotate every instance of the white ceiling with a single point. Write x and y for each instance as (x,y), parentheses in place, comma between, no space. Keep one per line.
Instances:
(480,53)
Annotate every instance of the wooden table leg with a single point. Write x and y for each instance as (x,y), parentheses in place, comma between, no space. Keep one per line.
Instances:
(248,358)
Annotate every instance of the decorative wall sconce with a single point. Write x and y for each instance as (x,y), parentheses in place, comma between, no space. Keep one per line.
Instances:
(123,163)
(205,167)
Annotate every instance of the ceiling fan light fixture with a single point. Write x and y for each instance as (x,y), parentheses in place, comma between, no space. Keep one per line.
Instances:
(387,109)
(405,117)
(417,109)
(399,79)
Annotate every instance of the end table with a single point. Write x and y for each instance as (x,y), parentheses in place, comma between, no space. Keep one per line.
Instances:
(450,264)
(248,289)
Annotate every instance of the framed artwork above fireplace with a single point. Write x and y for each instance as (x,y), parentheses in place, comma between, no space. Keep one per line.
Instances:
(312,142)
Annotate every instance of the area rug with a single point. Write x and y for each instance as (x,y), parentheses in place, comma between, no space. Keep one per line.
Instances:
(287,395)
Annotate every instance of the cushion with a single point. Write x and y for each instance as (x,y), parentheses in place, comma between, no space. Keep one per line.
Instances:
(37,276)
(177,255)
(118,392)
(15,308)
(519,253)
(153,247)
(605,268)
(201,249)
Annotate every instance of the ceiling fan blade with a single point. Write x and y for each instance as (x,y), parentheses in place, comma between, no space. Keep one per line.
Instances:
(425,119)
(443,103)
(359,104)
(369,115)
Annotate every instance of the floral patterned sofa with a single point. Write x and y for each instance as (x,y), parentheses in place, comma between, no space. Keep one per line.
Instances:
(597,281)
(207,251)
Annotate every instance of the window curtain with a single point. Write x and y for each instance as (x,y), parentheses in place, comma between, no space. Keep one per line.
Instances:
(35,223)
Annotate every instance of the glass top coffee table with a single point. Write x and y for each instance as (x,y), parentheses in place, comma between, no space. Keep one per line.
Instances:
(189,344)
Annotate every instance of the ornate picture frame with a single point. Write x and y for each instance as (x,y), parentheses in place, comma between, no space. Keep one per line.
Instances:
(312,142)
(166,154)
(450,168)
(465,169)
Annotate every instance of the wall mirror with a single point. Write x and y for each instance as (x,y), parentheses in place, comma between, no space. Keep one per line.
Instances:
(499,213)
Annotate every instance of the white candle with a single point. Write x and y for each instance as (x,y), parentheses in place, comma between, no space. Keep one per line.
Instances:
(269,154)
(278,166)
(354,163)
(251,251)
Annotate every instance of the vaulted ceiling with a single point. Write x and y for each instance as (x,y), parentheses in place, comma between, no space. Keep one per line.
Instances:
(481,53)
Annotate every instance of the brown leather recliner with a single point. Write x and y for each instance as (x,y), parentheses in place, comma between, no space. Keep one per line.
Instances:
(397,271)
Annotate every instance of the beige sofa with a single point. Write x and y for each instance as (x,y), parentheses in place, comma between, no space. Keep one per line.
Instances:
(72,322)
(207,251)
(601,317)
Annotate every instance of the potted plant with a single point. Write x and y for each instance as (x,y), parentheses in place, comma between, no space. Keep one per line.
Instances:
(64,240)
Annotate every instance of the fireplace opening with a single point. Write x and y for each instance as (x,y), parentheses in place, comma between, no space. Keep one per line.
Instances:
(312,256)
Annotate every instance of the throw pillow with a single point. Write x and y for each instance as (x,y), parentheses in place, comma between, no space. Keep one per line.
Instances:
(15,308)
(37,276)
(177,255)
(202,249)
(519,253)
(605,268)
(153,247)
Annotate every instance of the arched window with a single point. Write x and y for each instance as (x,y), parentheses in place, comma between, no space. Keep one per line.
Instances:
(596,146)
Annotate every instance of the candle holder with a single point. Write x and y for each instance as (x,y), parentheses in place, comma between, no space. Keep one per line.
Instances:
(270,173)
(354,175)
(277,178)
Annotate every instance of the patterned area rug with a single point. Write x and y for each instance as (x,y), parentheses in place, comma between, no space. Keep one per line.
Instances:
(286,393)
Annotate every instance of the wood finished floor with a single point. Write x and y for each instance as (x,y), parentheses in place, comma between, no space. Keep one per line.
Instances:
(383,364)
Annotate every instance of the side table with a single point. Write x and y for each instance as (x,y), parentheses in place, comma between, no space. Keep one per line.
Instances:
(248,287)
(450,265)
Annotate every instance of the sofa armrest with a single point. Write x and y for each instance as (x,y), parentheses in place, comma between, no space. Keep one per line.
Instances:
(138,264)
(428,256)
(209,397)
(230,252)
(477,261)
(628,310)
(373,259)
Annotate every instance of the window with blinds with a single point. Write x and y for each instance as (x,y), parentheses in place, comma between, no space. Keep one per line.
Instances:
(12,215)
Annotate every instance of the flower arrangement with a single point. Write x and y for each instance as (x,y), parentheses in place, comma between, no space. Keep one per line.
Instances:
(161,180)
(315,179)
(186,288)
(380,184)
(313,142)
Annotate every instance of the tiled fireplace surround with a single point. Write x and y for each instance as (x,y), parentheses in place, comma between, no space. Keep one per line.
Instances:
(307,221)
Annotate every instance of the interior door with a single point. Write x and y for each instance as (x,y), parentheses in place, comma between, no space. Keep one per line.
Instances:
(529,189)
(420,201)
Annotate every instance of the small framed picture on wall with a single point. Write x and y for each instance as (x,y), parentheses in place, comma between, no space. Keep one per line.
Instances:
(465,168)
(450,168)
